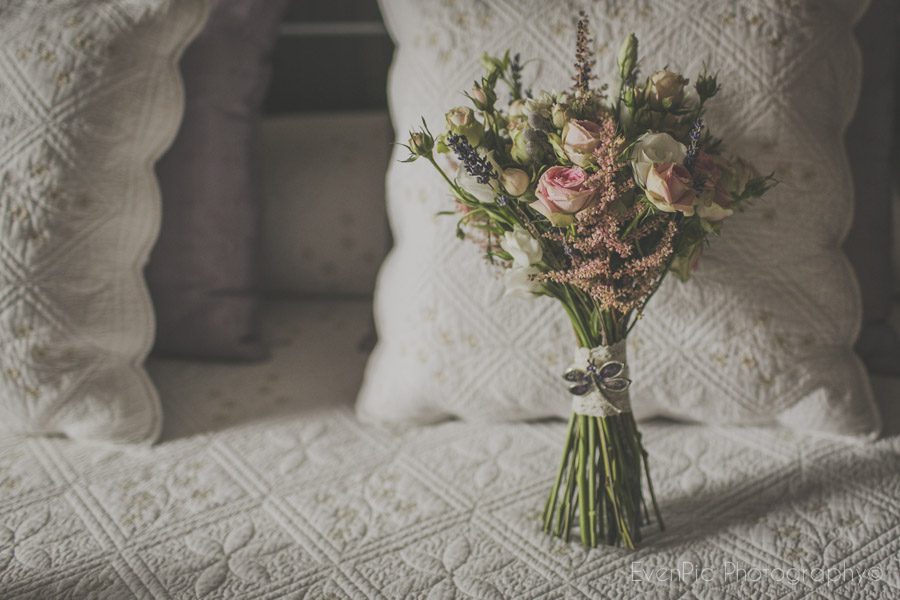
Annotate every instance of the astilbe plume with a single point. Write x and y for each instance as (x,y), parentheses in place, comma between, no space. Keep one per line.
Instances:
(617,269)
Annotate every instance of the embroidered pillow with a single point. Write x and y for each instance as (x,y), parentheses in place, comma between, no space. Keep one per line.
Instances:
(89,98)
(764,331)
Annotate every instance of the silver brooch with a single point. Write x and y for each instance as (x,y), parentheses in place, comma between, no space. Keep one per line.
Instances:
(605,378)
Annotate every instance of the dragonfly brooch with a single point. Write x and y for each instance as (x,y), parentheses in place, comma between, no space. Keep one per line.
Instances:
(608,377)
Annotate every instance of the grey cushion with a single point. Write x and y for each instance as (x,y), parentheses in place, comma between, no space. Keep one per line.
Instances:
(324,225)
(869,141)
(202,270)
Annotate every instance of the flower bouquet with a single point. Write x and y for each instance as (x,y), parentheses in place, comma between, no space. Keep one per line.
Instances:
(591,198)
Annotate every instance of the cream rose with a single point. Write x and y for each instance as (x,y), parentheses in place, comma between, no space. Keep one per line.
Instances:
(461,121)
(653,148)
(665,87)
(670,188)
(579,139)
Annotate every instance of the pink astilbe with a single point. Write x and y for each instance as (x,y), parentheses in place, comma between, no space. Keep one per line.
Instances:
(619,281)
(619,270)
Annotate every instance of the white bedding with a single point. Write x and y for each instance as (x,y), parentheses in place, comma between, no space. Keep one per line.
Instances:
(265,486)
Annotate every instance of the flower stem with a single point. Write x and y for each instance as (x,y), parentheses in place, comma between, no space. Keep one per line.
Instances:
(582,481)
(592,501)
(551,501)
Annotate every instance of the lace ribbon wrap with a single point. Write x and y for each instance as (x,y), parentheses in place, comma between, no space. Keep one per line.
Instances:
(598,381)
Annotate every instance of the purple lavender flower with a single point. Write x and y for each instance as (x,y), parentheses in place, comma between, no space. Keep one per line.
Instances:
(475,165)
(694,147)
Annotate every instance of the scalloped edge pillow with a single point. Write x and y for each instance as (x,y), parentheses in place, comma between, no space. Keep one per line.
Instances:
(762,334)
(90,96)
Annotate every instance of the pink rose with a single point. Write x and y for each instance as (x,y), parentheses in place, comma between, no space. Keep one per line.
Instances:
(670,188)
(580,139)
(562,192)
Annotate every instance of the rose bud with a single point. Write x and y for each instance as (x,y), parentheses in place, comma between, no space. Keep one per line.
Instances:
(559,114)
(461,121)
(420,143)
(482,97)
(514,181)
(665,90)
(579,139)
(478,96)
(628,56)
(707,86)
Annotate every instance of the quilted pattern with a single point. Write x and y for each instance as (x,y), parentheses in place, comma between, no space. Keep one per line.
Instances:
(763,333)
(89,97)
(265,486)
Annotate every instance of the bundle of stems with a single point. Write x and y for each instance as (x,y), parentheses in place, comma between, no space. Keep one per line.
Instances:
(604,466)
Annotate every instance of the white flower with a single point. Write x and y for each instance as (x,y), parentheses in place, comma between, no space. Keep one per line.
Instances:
(517,108)
(519,283)
(713,212)
(483,192)
(524,249)
(653,148)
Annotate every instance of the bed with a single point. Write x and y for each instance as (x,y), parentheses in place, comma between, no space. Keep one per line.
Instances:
(266,486)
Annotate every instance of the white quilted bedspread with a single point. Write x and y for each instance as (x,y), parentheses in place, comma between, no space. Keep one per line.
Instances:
(265,486)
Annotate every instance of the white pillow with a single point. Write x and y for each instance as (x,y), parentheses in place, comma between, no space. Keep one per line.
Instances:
(89,97)
(762,334)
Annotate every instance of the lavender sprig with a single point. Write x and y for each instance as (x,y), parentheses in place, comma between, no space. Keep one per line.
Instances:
(475,165)
(694,147)
(515,76)
(584,61)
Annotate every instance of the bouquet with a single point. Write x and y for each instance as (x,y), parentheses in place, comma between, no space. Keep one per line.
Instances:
(591,198)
